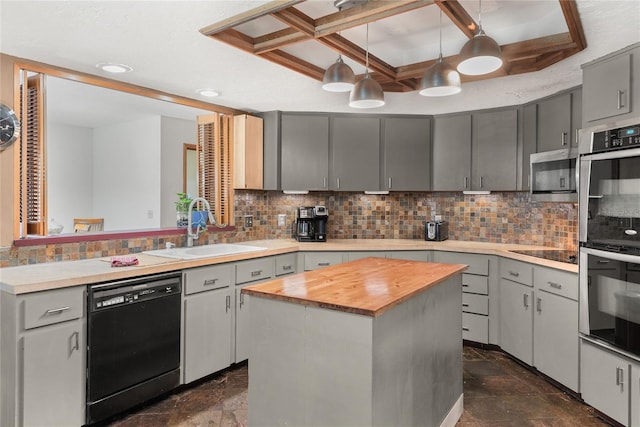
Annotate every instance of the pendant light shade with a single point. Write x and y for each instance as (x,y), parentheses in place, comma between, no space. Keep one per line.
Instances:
(481,54)
(338,77)
(440,79)
(367,93)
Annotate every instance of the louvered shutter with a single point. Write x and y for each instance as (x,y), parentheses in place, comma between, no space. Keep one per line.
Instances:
(33,191)
(214,164)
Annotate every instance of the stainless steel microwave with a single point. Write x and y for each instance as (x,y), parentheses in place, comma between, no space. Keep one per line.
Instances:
(554,176)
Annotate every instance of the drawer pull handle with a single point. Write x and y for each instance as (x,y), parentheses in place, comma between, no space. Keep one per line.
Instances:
(619,376)
(54,311)
(209,282)
(465,305)
(464,285)
(539,305)
(464,328)
(555,285)
(324,264)
(228,303)
(287,267)
(256,273)
(603,261)
(514,273)
(526,300)
(241,300)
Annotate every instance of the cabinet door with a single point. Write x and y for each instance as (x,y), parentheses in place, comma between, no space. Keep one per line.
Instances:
(452,153)
(635,394)
(529,141)
(305,152)
(576,116)
(606,88)
(555,338)
(53,375)
(495,150)
(407,154)
(554,123)
(516,320)
(242,326)
(207,333)
(355,164)
(247,152)
(604,381)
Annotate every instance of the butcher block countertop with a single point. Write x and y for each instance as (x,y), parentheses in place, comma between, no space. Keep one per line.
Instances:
(54,275)
(368,286)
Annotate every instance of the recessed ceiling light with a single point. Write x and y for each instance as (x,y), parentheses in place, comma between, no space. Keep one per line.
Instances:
(110,67)
(210,93)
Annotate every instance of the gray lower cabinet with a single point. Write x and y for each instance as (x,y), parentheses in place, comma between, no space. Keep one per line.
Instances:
(249,272)
(635,394)
(43,358)
(355,153)
(207,312)
(604,381)
(304,142)
(314,260)
(407,154)
(494,150)
(608,87)
(516,320)
(411,255)
(452,153)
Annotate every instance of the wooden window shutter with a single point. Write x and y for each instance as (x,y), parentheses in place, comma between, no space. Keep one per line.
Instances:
(33,191)
(214,151)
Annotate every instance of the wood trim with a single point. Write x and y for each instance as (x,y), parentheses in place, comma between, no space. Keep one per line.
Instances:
(520,57)
(185,150)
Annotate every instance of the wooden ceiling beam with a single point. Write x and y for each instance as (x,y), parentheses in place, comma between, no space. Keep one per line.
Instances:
(234,38)
(278,40)
(571,15)
(459,16)
(247,16)
(358,54)
(294,63)
(297,20)
(538,46)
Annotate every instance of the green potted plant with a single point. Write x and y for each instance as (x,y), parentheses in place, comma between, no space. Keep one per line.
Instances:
(182,209)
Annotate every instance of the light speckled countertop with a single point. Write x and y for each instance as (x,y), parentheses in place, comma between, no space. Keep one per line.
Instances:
(53,275)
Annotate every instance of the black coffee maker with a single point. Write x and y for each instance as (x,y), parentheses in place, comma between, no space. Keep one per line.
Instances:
(311,224)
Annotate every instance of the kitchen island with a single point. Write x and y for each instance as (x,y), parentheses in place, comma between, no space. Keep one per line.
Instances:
(370,342)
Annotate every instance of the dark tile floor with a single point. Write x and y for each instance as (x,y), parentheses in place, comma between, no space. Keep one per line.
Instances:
(498,392)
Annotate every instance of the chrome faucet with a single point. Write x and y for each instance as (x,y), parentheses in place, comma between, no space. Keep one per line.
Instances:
(190,234)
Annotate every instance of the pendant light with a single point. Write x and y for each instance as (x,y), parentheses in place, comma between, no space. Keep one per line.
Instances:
(338,77)
(481,54)
(367,93)
(441,79)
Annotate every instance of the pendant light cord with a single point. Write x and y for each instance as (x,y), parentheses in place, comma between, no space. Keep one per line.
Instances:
(440,33)
(480,17)
(366,56)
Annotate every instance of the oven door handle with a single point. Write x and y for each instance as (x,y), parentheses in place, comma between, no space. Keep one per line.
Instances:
(615,256)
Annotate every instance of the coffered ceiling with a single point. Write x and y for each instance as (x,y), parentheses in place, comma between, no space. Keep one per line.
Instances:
(275,30)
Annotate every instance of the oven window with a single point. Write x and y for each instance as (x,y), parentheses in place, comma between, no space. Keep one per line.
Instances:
(614,204)
(614,302)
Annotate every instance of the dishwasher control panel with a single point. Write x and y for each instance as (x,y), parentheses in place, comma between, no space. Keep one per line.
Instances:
(114,295)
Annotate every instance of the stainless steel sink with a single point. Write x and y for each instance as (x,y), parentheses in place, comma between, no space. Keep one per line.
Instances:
(207,251)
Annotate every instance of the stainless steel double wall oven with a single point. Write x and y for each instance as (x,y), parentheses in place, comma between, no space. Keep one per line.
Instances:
(609,192)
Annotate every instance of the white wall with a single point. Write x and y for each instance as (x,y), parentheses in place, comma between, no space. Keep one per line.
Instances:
(127,174)
(175,133)
(69,174)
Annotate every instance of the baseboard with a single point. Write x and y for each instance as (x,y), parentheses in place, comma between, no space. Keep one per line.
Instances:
(454,413)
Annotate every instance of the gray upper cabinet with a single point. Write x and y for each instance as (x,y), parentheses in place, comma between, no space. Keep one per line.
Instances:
(407,154)
(355,159)
(607,86)
(558,122)
(529,138)
(554,123)
(452,153)
(305,151)
(494,150)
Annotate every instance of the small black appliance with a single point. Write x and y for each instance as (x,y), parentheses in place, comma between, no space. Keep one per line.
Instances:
(311,224)
(436,230)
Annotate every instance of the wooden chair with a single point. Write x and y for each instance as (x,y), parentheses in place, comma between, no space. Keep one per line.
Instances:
(85,225)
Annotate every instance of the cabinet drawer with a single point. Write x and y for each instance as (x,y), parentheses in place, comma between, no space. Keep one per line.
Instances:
(410,255)
(472,303)
(475,327)
(317,260)
(208,278)
(556,282)
(255,269)
(352,256)
(517,271)
(46,308)
(478,264)
(475,284)
(286,264)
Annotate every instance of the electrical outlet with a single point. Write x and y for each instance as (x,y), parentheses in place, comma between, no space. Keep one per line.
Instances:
(438,218)
(248,221)
(282,220)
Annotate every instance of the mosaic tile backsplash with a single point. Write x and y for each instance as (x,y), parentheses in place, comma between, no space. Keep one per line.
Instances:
(509,217)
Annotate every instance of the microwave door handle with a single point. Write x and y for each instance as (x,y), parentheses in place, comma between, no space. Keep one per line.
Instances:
(583,206)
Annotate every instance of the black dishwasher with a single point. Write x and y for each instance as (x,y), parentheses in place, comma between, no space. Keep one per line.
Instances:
(133,343)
